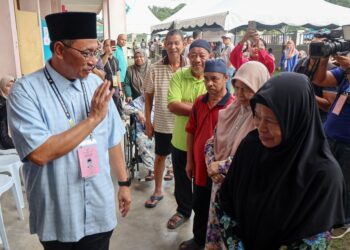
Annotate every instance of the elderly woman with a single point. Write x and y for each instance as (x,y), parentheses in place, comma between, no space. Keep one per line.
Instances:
(135,75)
(284,187)
(234,123)
(5,87)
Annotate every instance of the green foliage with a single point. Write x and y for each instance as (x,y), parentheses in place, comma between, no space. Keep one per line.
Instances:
(344,3)
(165,12)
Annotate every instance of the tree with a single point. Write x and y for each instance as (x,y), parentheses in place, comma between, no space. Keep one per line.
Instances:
(164,12)
(344,3)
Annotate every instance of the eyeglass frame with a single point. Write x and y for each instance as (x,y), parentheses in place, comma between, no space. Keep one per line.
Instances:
(84,54)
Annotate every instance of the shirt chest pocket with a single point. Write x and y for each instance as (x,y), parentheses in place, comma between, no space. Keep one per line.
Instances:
(101,130)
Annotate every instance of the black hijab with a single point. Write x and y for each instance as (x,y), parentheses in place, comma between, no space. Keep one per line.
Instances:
(281,195)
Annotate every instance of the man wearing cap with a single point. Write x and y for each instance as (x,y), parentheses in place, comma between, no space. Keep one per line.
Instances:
(200,127)
(225,55)
(197,34)
(185,86)
(63,124)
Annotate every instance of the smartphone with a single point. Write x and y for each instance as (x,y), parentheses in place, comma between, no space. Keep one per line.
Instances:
(252,25)
(112,43)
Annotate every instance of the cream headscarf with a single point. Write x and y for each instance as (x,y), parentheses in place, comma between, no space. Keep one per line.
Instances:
(236,121)
(3,83)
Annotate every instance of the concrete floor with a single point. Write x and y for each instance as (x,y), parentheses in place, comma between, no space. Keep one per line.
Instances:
(143,228)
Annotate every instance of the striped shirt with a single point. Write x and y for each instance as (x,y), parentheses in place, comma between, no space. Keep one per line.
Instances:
(157,83)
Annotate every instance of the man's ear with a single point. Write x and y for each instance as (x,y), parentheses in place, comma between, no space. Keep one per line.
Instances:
(58,49)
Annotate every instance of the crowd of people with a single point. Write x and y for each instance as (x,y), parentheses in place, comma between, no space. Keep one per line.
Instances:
(249,152)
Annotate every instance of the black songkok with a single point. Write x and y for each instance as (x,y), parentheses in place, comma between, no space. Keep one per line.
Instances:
(71,25)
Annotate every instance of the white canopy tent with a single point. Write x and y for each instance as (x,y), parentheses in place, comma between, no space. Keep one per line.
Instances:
(139,19)
(230,14)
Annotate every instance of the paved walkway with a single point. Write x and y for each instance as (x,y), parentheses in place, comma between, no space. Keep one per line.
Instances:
(142,229)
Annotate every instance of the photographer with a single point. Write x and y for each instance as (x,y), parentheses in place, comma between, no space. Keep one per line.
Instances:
(337,125)
(324,95)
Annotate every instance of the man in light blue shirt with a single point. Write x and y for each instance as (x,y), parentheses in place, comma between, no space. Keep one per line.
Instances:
(52,114)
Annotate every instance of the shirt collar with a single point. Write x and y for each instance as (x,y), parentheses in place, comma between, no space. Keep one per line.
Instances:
(222,102)
(188,75)
(61,82)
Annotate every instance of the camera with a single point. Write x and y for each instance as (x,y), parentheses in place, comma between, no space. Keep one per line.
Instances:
(334,44)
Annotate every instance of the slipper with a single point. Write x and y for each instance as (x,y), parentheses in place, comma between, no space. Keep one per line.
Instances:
(190,245)
(169,175)
(176,220)
(154,199)
(340,232)
(149,176)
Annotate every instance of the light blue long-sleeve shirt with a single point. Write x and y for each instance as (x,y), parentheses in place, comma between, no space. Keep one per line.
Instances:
(63,206)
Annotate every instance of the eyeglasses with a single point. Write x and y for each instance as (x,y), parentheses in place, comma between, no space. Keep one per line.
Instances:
(86,54)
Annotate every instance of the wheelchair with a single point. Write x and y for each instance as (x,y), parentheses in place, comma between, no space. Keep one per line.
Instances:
(131,155)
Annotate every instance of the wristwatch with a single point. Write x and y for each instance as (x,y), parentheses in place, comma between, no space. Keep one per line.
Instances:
(124,183)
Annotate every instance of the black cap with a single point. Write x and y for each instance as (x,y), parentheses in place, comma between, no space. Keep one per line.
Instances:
(200,43)
(71,25)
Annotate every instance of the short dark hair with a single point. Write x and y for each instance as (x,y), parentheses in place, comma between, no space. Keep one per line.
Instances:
(196,34)
(174,32)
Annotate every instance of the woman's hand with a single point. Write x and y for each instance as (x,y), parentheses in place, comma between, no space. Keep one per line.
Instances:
(213,168)
(217,178)
(250,34)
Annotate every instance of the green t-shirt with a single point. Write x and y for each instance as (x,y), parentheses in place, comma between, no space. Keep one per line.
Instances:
(184,87)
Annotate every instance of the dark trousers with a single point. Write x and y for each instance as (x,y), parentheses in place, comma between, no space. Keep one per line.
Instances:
(201,203)
(341,152)
(183,186)
(91,242)
(118,101)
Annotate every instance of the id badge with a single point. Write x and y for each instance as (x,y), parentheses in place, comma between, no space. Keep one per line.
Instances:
(340,103)
(88,158)
(115,83)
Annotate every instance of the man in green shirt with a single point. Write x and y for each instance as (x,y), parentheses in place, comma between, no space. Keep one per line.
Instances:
(185,86)
(119,54)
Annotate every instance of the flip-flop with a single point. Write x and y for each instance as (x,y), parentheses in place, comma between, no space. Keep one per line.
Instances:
(173,223)
(154,199)
(149,177)
(169,175)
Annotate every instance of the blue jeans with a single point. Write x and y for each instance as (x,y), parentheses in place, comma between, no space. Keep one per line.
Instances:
(341,152)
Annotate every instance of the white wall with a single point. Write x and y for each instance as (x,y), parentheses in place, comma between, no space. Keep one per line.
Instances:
(117,18)
(9,59)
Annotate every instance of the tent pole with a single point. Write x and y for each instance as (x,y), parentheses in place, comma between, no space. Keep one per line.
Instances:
(234,39)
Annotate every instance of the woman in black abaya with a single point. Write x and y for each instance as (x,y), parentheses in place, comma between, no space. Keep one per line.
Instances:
(284,187)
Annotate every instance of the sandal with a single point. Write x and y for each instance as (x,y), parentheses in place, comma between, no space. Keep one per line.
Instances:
(169,175)
(190,245)
(149,176)
(176,220)
(153,201)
